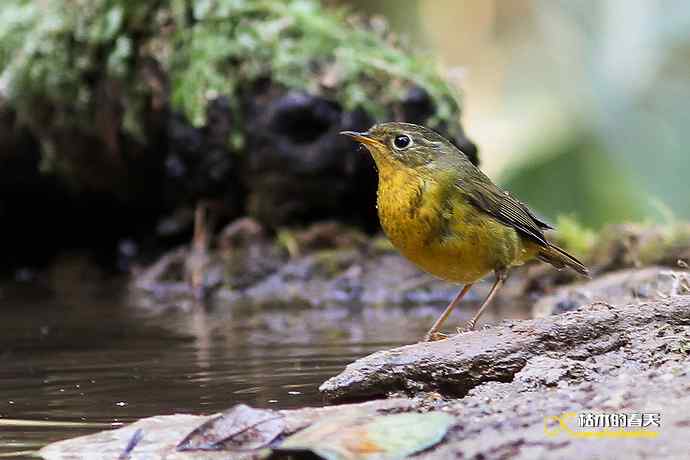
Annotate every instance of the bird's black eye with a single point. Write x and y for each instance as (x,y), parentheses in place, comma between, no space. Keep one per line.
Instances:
(402,141)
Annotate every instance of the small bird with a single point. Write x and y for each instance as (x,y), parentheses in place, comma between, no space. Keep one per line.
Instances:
(447,217)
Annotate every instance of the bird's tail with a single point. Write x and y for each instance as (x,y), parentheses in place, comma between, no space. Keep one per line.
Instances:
(561,259)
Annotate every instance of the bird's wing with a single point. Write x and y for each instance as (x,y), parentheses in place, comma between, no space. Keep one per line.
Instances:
(486,196)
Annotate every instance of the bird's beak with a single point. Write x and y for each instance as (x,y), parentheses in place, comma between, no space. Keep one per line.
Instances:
(364,137)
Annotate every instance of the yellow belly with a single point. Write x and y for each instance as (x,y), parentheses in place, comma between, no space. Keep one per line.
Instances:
(444,235)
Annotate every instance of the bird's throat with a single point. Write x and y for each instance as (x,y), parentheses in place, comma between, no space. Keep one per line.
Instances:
(407,207)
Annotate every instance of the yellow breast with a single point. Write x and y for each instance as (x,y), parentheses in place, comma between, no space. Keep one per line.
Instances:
(441,233)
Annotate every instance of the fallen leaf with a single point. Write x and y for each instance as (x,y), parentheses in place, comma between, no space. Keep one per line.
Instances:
(131,444)
(239,428)
(380,437)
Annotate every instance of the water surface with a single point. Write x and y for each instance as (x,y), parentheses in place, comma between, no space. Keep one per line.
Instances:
(85,354)
(78,357)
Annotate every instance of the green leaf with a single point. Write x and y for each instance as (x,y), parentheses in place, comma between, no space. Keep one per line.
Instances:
(384,437)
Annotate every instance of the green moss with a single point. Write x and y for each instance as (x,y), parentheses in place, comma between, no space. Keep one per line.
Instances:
(302,46)
(382,244)
(670,239)
(53,50)
(574,236)
(61,61)
(287,241)
(626,245)
(330,262)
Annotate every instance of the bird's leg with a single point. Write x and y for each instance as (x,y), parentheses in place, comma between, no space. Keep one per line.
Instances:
(433,333)
(500,279)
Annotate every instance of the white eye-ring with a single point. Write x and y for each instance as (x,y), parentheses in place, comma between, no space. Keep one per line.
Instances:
(402,141)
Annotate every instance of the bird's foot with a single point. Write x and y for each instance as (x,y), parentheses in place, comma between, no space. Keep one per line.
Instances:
(468,327)
(434,336)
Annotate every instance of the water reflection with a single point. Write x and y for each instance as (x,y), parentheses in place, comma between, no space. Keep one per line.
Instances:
(85,355)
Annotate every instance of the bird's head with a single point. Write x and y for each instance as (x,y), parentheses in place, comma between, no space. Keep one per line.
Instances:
(410,145)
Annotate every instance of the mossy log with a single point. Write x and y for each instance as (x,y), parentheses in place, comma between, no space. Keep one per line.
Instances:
(137,110)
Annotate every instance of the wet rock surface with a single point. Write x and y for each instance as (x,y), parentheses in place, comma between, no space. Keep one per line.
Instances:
(325,265)
(613,339)
(509,420)
(632,286)
(498,420)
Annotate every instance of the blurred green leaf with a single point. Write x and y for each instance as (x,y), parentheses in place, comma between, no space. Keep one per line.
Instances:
(623,73)
(361,438)
(574,236)
(577,177)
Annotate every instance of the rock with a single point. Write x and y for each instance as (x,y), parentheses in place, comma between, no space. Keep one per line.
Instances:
(638,245)
(616,338)
(620,287)
(200,164)
(332,266)
(247,254)
(616,247)
(299,168)
(507,420)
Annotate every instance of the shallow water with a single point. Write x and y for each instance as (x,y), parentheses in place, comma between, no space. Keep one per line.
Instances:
(87,356)
(81,359)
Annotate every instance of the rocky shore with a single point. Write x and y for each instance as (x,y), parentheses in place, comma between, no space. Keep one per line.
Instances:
(512,390)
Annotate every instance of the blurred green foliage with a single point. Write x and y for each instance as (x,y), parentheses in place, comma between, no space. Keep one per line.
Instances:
(574,236)
(51,51)
(620,72)
(576,173)
(54,54)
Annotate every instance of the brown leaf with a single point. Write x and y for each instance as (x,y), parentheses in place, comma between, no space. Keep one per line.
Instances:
(239,428)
